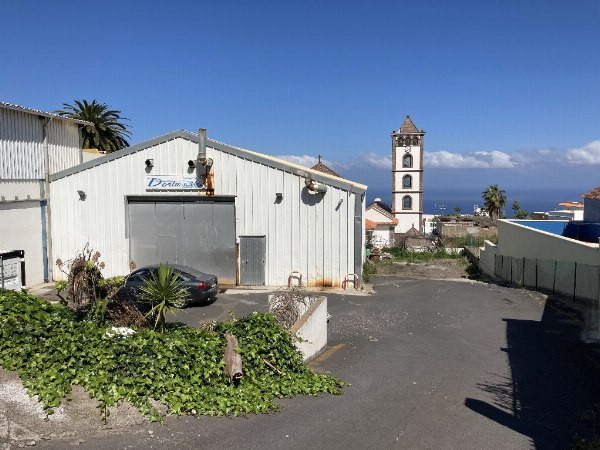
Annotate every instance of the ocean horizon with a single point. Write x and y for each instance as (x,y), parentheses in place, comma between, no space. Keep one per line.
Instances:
(444,202)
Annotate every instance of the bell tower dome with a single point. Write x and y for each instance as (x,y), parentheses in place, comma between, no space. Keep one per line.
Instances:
(407,176)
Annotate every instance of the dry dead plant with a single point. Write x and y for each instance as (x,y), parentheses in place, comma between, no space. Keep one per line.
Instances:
(288,304)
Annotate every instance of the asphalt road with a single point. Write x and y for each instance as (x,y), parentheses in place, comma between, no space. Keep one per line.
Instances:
(431,365)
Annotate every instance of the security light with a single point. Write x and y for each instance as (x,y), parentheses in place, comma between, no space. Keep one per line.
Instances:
(82,195)
(149,163)
(192,164)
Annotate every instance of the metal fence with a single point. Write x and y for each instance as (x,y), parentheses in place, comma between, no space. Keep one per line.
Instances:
(574,280)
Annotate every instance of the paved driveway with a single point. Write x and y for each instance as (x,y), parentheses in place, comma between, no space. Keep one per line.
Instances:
(432,365)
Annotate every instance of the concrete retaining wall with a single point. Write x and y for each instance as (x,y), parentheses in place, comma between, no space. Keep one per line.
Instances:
(519,241)
(311,327)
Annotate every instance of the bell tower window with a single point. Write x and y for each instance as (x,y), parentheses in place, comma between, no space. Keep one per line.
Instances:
(407,160)
(406,181)
(407,202)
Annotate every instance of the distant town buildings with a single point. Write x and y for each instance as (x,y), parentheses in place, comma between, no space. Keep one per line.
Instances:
(565,211)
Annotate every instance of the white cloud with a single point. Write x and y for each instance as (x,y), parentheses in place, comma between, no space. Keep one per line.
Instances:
(588,154)
(476,160)
(376,160)
(494,159)
(303,160)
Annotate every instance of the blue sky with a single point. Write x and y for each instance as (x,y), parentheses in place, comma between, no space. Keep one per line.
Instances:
(508,91)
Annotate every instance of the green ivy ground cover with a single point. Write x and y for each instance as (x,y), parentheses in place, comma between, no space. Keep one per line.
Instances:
(51,350)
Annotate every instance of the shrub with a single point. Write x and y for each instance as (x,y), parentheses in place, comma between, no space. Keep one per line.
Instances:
(163,291)
(52,349)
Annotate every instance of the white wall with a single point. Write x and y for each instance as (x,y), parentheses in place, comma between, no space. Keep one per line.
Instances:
(523,242)
(22,149)
(311,327)
(487,255)
(21,229)
(407,221)
(415,151)
(20,190)
(315,239)
(376,216)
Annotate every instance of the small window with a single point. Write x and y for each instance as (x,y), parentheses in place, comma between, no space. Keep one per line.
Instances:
(406,181)
(407,202)
(407,160)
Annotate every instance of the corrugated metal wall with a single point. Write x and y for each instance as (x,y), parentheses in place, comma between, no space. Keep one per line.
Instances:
(21,145)
(307,233)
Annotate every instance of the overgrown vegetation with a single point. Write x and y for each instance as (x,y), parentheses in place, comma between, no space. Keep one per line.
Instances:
(467,241)
(416,257)
(52,347)
(369,269)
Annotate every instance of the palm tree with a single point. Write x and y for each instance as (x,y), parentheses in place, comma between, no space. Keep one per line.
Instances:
(107,133)
(494,200)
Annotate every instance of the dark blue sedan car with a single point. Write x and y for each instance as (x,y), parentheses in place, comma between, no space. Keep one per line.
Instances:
(202,287)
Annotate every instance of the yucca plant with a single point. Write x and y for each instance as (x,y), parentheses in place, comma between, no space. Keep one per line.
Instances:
(164,291)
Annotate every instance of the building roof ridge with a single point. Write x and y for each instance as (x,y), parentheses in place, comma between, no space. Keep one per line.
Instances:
(38,112)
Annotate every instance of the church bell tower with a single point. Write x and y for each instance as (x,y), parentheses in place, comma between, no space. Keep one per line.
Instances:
(407,176)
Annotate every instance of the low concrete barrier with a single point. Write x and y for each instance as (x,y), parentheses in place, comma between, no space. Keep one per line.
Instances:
(311,328)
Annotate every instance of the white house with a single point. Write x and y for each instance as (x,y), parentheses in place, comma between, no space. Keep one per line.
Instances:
(249,218)
(380,224)
(33,145)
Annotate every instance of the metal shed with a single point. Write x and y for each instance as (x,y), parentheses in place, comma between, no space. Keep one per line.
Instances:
(33,145)
(250,218)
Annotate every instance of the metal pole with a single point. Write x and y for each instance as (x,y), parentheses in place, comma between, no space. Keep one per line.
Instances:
(2,270)
(47,197)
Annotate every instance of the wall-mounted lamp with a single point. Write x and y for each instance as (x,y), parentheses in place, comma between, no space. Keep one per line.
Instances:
(279,196)
(191,164)
(149,163)
(82,195)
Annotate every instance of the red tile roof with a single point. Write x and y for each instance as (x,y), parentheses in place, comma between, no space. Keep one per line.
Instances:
(371,225)
(571,205)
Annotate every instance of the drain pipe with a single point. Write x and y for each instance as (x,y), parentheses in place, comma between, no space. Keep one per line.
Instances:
(202,159)
(45,123)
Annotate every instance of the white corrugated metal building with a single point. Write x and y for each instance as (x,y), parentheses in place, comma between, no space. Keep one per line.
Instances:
(30,141)
(250,218)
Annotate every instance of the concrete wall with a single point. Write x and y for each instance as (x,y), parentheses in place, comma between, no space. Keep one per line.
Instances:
(383,236)
(591,210)
(311,327)
(21,229)
(487,257)
(519,241)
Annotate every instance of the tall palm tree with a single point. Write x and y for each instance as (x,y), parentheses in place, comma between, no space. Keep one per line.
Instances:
(107,133)
(494,200)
